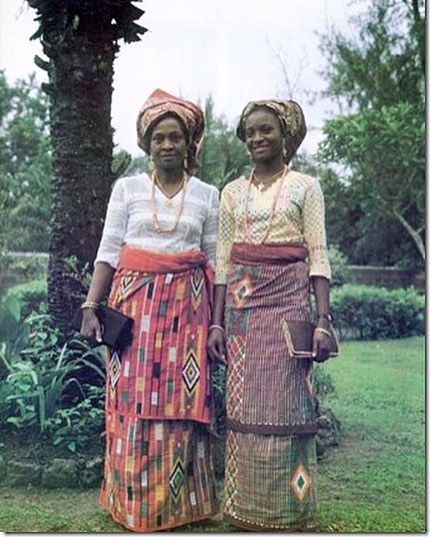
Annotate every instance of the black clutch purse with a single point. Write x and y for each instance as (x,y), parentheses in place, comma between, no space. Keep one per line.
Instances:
(299,338)
(117,327)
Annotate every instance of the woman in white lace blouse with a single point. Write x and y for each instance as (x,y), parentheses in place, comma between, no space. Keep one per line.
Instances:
(158,248)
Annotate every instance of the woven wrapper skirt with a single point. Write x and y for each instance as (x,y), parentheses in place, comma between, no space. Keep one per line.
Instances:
(270,481)
(158,465)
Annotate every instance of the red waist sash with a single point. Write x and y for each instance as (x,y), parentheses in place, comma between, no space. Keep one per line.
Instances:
(269,254)
(147,261)
(142,260)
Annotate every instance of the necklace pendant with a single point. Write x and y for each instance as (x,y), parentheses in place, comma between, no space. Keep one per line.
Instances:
(169,204)
(260,187)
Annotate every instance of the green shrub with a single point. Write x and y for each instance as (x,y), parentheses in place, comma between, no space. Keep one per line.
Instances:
(47,383)
(14,334)
(368,312)
(78,427)
(31,295)
(338,265)
(323,383)
(17,268)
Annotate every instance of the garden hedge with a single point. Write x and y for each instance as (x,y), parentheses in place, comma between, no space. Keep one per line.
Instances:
(369,312)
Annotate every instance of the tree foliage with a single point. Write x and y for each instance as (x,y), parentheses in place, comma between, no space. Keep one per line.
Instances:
(379,76)
(25,166)
(224,156)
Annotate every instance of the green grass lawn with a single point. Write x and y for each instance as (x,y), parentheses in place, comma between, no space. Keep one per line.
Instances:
(373,482)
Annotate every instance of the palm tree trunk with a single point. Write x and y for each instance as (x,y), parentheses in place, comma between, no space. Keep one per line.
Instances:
(80,40)
(82,142)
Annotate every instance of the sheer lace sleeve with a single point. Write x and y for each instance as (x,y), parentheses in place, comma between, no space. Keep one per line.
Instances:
(314,231)
(210,227)
(114,228)
(225,237)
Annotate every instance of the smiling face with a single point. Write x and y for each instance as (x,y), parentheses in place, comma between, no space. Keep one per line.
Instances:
(263,136)
(168,144)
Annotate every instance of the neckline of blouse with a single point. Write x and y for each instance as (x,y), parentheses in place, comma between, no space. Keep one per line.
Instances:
(186,185)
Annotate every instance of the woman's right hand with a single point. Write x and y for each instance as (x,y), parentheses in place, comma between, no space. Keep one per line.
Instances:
(91,328)
(216,345)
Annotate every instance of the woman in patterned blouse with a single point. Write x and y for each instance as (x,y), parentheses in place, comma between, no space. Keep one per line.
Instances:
(158,249)
(271,244)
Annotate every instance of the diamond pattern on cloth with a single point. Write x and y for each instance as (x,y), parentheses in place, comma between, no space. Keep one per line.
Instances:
(191,371)
(114,368)
(128,283)
(242,291)
(300,482)
(177,479)
(197,282)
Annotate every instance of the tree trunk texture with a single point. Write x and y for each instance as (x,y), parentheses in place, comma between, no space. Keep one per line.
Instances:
(81,48)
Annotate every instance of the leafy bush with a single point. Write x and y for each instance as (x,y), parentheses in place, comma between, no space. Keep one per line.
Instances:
(47,384)
(368,312)
(41,383)
(323,383)
(32,296)
(16,267)
(339,266)
(13,333)
(76,427)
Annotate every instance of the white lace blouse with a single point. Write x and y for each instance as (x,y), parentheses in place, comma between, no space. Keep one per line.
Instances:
(129,219)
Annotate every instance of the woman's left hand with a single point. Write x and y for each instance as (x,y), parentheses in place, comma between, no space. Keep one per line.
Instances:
(321,342)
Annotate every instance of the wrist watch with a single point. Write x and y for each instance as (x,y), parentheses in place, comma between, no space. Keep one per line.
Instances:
(327,316)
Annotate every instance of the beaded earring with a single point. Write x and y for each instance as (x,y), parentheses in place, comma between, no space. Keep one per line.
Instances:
(151,164)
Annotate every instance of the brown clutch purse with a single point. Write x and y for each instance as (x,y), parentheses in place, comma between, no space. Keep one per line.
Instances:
(299,338)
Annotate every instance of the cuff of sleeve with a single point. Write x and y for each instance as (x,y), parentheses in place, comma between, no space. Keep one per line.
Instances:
(324,272)
(110,260)
(220,279)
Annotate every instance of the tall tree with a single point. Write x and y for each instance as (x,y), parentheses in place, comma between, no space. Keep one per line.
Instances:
(80,39)
(378,77)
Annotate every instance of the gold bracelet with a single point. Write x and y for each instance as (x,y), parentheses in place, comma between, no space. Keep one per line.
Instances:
(323,330)
(90,305)
(216,326)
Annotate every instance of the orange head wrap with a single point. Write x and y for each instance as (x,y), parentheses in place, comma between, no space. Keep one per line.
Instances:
(160,103)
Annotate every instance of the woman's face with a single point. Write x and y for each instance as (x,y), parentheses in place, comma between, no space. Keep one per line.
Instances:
(168,145)
(263,136)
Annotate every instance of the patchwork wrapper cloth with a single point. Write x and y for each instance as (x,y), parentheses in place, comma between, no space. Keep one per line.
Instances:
(271,424)
(158,466)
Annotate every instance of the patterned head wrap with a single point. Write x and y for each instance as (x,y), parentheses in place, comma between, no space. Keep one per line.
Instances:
(160,103)
(291,118)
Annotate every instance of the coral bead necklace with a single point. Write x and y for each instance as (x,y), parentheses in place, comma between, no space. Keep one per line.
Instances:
(154,215)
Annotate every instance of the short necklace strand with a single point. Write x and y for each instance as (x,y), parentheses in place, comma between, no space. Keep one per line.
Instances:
(161,187)
(155,220)
(272,208)
(261,183)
